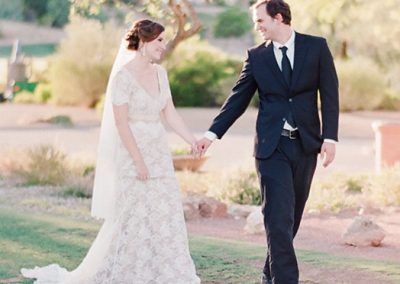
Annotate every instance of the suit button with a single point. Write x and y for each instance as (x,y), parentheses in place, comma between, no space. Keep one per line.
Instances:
(290,100)
(283,119)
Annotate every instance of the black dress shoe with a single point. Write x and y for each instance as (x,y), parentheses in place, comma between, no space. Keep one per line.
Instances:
(265,280)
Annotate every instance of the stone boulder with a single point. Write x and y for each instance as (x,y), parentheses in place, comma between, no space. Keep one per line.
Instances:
(196,206)
(212,208)
(255,222)
(190,209)
(363,232)
(238,211)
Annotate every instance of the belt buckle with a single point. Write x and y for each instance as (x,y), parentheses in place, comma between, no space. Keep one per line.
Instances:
(292,136)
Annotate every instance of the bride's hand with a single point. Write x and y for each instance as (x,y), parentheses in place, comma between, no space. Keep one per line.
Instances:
(142,171)
(195,150)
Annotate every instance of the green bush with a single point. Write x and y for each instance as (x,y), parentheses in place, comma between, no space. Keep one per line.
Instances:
(363,86)
(43,92)
(243,188)
(233,22)
(79,70)
(12,10)
(62,120)
(57,13)
(196,71)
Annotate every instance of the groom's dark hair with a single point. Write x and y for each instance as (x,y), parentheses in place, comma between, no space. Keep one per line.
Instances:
(275,7)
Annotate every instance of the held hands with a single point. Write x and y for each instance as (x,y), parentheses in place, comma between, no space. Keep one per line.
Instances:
(327,154)
(200,147)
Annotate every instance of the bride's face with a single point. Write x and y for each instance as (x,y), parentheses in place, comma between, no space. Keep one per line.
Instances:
(155,48)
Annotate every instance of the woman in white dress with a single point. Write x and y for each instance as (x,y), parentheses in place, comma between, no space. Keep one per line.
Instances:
(143,239)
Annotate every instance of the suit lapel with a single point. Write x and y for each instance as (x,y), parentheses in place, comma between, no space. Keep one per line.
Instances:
(300,52)
(269,58)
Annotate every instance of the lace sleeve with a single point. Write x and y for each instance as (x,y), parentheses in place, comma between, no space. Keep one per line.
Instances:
(167,89)
(120,89)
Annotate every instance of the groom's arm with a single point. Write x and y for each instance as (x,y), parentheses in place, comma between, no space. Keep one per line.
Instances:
(236,103)
(329,95)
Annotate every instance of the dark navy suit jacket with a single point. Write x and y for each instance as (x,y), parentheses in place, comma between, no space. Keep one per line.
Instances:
(313,73)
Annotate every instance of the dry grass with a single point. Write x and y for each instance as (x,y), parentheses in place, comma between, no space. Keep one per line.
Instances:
(45,165)
(334,193)
(343,190)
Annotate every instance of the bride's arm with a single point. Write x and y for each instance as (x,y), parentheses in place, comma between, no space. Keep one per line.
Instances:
(122,125)
(175,121)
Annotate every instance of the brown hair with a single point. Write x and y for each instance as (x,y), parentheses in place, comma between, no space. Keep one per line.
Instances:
(275,7)
(142,30)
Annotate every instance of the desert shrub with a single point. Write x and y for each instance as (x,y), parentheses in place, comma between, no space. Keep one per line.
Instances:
(62,120)
(195,71)
(79,70)
(233,22)
(45,165)
(57,13)
(243,188)
(42,92)
(12,10)
(25,97)
(386,187)
(391,100)
(362,84)
(100,105)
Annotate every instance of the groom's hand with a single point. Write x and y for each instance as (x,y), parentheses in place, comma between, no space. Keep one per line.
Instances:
(203,144)
(327,154)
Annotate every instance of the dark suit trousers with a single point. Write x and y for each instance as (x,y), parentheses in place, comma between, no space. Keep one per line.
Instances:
(285,180)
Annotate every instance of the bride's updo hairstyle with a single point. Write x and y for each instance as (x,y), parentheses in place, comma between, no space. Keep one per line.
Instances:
(142,30)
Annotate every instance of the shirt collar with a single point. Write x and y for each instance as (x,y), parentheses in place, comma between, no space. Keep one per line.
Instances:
(288,44)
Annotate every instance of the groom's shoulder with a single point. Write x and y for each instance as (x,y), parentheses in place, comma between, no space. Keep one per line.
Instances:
(257,48)
(313,39)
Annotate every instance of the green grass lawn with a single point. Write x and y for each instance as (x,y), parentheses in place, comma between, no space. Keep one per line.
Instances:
(30,50)
(31,239)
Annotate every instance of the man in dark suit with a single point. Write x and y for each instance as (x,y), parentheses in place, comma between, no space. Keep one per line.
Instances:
(288,73)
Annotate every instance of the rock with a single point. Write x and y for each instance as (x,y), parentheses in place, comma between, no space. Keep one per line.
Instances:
(240,210)
(212,208)
(196,206)
(314,212)
(255,222)
(363,232)
(190,211)
(191,208)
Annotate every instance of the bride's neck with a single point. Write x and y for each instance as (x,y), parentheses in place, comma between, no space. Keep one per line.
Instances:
(143,62)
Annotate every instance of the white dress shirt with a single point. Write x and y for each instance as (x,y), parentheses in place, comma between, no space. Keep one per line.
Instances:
(278,56)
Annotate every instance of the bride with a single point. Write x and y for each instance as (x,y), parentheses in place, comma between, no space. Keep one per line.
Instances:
(143,238)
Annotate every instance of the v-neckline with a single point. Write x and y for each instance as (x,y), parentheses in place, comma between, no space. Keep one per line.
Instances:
(144,89)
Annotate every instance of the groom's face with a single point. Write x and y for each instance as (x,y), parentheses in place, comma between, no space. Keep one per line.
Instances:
(264,24)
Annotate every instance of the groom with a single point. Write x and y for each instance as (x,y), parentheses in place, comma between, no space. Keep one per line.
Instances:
(288,74)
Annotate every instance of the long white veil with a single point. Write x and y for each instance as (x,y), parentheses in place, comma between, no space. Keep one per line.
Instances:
(103,197)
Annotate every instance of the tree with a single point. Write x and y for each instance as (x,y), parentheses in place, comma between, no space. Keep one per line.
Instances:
(179,13)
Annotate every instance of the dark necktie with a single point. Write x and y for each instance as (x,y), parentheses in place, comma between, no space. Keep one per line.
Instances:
(287,74)
(286,67)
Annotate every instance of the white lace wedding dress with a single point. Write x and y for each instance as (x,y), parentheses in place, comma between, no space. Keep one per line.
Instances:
(146,240)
